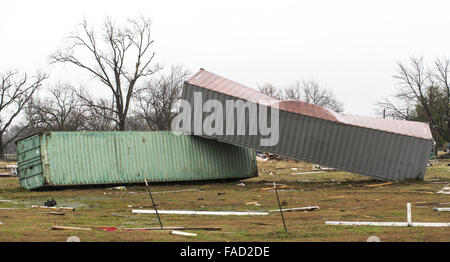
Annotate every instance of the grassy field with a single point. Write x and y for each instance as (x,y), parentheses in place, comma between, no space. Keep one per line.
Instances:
(341,196)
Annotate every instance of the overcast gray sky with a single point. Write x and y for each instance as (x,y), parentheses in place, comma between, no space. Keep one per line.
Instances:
(348,46)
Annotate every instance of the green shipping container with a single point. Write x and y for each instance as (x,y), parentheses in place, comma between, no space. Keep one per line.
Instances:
(85,158)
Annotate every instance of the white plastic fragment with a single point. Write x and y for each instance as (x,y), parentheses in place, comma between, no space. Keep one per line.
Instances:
(174,232)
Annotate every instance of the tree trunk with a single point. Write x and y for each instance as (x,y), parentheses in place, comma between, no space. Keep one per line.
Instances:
(122,119)
(2,149)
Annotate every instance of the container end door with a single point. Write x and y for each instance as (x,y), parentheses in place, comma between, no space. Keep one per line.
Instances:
(30,162)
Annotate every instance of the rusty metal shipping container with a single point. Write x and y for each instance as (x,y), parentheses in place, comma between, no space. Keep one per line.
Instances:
(82,158)
(381,148)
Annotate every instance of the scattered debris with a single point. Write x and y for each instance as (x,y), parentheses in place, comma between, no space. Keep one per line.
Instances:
(310,172)
(221,193)
(324,168)
(445,191)
(240,184)
(123,188)
(270,184)
(50,203)
(373,239)
(200,199)
(126,216)
(261,224)
(55,208)
(70,228)
(144,206)
(409,222)
(336,197)
(355,208)
(73,239)
(174,232)
(252,203)
(310,208)
(441,209)
(174,191)
(272,188)
(187,212)
(54,213)
(377,185)
(260,159)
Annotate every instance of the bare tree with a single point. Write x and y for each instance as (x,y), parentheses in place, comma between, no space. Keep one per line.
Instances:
(62,110)
(15,92)
(311,92)
(270,90)
(99,116)
(423,94)
(156,102)
(119,61)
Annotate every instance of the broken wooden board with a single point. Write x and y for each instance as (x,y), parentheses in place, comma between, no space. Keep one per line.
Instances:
(377,185)
(310,208)
(273,188)
(70,228)
(54,213)
(55,208)
(188,212)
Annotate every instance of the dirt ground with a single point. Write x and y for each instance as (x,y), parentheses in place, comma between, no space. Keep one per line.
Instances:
(341,196)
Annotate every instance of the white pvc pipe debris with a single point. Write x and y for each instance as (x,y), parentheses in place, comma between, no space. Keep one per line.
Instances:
(174,232)
(408,214)
(386,224)
(187,212)
(390,224)
(441,209)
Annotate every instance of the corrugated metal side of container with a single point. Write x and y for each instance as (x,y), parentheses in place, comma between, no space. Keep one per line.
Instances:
(355,149)
(29,162)
(78,158)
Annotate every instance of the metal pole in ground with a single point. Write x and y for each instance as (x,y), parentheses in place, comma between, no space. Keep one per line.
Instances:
(279,205)
(153,202)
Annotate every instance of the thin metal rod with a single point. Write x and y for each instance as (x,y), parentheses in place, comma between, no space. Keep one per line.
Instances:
(153,202)
(279,205)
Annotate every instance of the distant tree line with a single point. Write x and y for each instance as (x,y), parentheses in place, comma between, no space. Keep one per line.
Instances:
(306,91)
